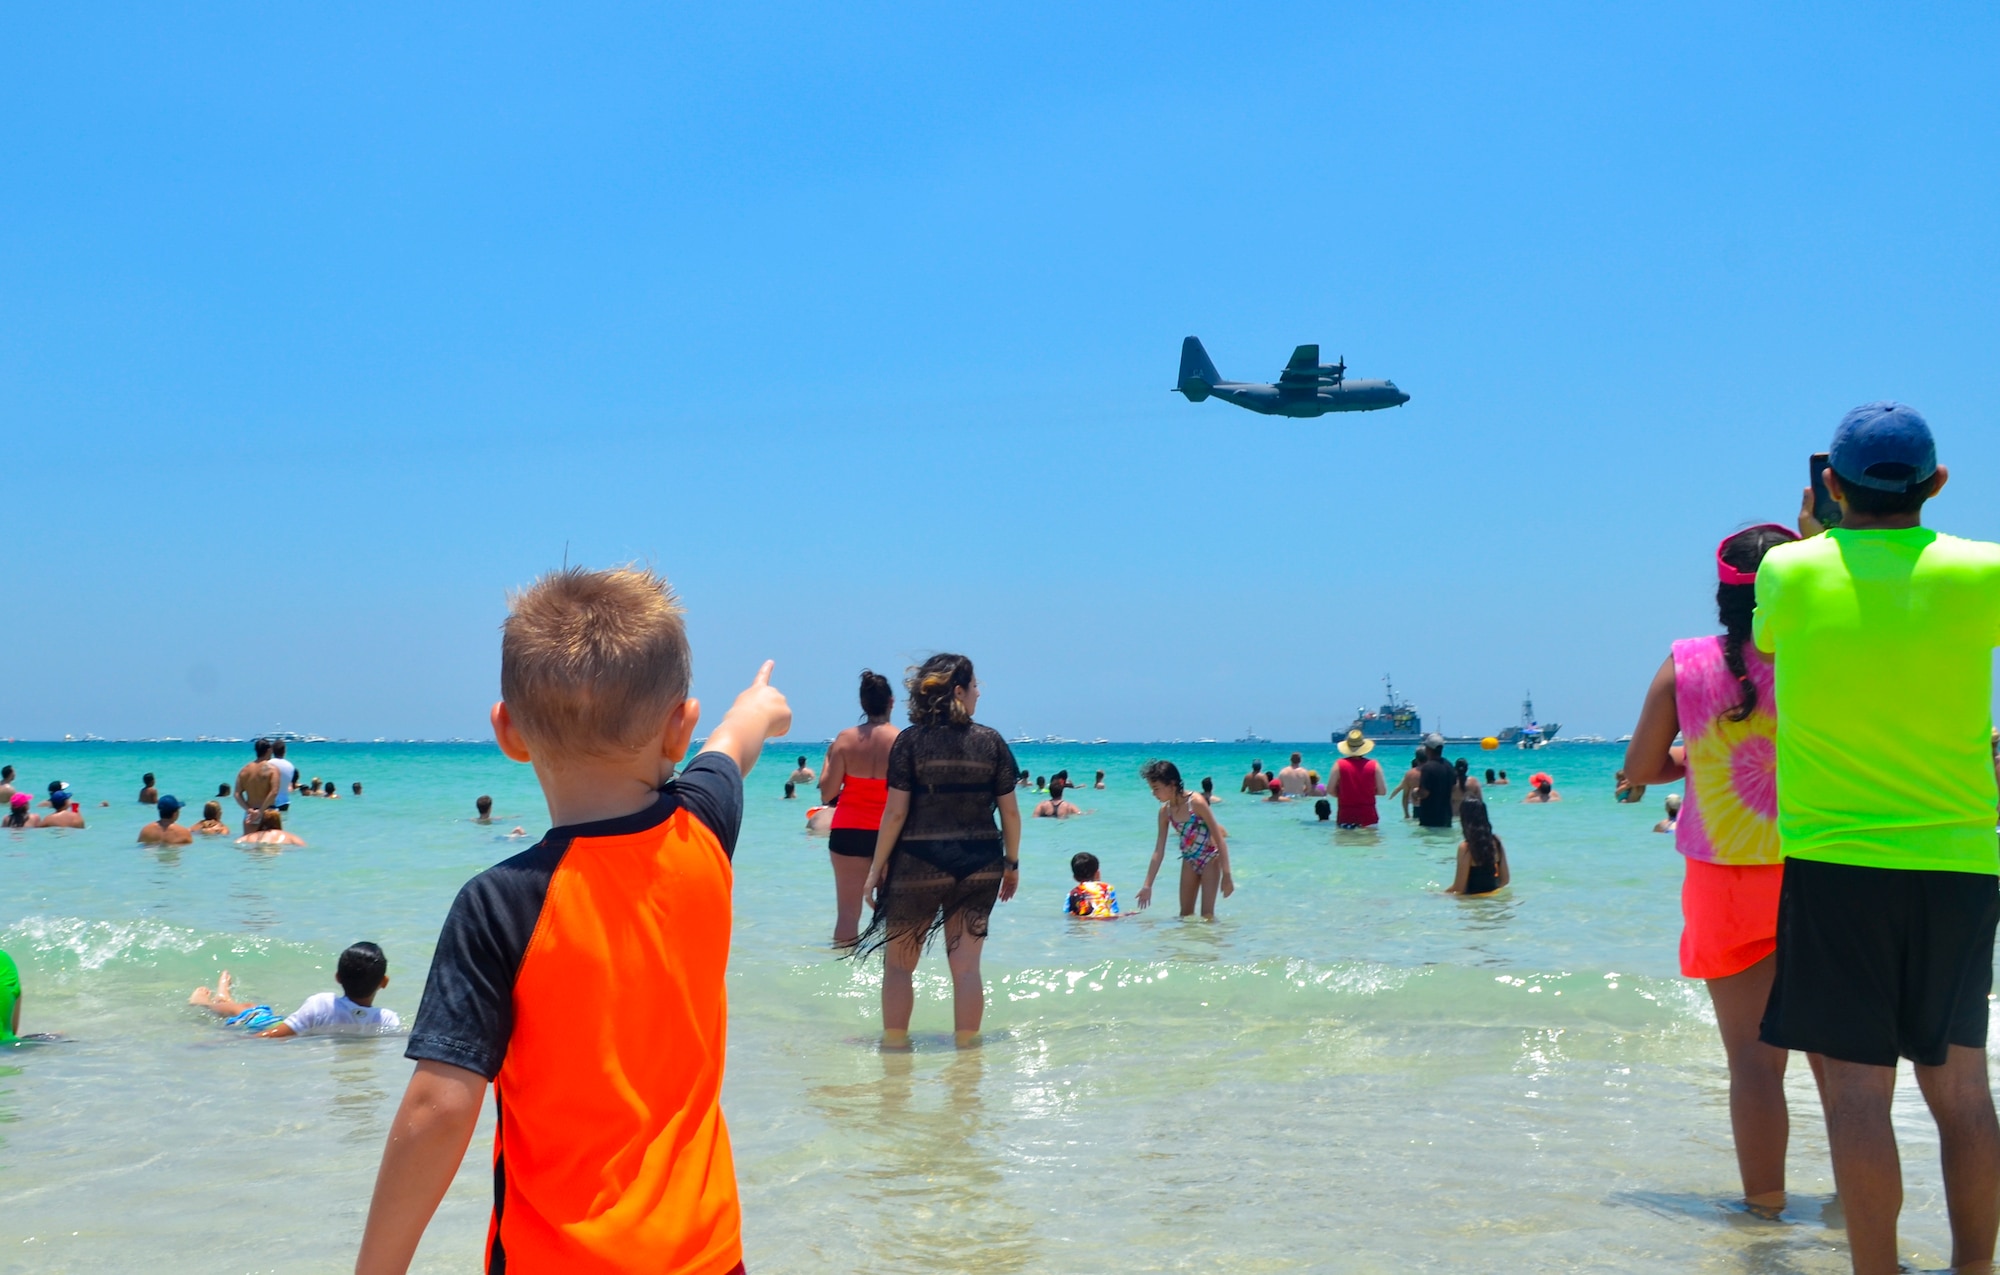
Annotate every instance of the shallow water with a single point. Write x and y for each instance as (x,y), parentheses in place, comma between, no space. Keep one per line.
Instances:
(1346,1071)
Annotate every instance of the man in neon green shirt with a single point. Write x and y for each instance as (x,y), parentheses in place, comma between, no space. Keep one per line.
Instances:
(1883,633)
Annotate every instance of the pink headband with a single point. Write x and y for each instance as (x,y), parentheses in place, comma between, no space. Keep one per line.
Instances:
(1730,575)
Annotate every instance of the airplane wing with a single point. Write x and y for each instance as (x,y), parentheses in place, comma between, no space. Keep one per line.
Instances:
(1303,369)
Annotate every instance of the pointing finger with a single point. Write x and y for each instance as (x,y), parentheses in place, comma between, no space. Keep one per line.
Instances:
(763,677)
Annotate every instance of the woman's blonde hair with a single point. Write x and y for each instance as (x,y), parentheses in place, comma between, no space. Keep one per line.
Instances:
(932,688)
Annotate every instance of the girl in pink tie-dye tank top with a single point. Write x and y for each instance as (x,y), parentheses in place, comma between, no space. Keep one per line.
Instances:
(1730,812)
(1716,692)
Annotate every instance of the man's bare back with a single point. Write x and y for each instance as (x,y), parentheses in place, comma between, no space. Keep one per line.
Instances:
(254,785)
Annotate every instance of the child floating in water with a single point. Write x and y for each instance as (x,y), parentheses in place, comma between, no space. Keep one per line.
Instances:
(1204,844)
(362,972)
(1093,897)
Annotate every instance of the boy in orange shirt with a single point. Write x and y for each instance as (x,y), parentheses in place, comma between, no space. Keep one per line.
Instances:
(584,978)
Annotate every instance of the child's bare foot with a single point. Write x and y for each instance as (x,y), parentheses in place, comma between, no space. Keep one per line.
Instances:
(200,996)
(965,1040)
(895,1041)
(224,986)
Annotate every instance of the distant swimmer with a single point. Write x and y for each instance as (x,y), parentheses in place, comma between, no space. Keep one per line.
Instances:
(270,831)
(1203,842)
(1022,782)
(166,830)
(1056,808)
(1437,784)
(1543,790)
(1293,778)
(6,783)
(1672,822)
(1625,792)
(1357,781)
(356,790)
(288,776)
(1092,898)
(1406,789)
(483,809)
(148,794)
(803,775)
(211,824)
(1100,781)
(1323,810)
(854,782)
(1501,782)
(64,813)
(361,972)
(1469,787)
(1256,781)
(18,814)
(255,784)
(819,820)
(221,791)
(55,786)
(332,791)
(1482,860)
(1208,790)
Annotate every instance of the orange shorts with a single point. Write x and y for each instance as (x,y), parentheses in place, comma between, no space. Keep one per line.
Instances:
(1731,916)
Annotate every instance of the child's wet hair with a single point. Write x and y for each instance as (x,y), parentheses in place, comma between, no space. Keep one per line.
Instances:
(1083,865)
(1162,772)
(1324,809)
(361,970)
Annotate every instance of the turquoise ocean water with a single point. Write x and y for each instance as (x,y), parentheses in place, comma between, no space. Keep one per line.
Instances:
(1346,1071)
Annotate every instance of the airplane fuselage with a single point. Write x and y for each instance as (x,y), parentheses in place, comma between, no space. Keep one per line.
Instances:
(1283,400)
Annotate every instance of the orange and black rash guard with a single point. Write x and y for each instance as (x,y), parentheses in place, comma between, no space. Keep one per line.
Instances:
(585,979)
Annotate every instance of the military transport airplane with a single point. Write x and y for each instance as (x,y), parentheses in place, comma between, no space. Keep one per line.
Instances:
(1307,387)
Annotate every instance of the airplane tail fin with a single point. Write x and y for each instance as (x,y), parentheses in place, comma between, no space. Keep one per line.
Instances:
(1198,374)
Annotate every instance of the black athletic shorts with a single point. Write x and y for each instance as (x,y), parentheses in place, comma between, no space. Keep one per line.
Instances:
(855,843)
(1880,963)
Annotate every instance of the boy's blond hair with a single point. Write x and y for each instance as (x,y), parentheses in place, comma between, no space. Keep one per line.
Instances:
(591,662)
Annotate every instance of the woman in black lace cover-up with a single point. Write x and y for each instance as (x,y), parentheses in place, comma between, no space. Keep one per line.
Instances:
(940,860)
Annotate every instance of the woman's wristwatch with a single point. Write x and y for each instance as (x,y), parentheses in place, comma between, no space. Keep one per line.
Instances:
(1013,865)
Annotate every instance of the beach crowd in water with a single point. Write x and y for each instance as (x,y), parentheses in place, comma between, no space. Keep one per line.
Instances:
(1834,745)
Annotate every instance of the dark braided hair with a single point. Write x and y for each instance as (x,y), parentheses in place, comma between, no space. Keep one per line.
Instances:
(1736,603)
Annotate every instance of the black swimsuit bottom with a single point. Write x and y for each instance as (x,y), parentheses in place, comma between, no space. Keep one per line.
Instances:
(960,857)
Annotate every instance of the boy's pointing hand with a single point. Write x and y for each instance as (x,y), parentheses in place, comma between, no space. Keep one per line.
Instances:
(759,713)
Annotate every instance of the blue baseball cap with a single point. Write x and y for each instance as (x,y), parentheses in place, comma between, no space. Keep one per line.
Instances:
(170,802)
(1886,446)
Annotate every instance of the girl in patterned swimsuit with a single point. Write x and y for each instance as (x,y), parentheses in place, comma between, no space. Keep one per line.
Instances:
(1204,843)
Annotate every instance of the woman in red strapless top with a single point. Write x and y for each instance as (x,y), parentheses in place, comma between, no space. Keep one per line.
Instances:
(855,780)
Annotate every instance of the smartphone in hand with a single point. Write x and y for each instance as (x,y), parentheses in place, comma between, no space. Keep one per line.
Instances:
(1825,509)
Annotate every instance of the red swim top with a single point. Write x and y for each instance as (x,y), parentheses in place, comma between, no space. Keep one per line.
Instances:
(1355,787)
(861,803)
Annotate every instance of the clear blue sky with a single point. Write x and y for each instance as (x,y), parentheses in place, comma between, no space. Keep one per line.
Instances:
(322,327)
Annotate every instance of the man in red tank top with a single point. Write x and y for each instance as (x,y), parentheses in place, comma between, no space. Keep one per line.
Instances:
(1358,781)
